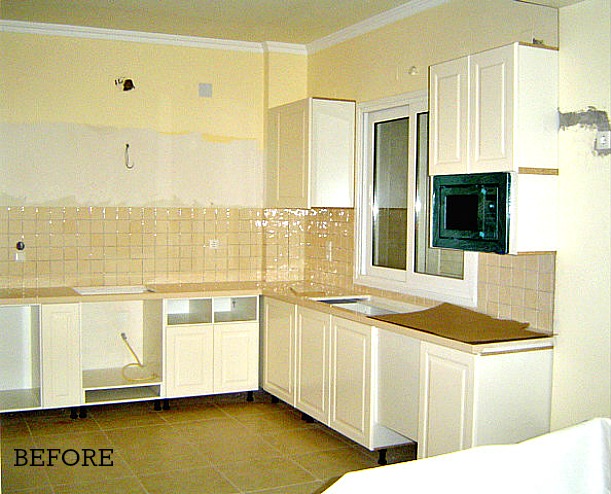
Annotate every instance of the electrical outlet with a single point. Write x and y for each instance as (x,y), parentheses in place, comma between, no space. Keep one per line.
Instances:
(603,140)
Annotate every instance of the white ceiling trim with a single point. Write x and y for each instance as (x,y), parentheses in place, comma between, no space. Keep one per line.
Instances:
(373,23)
(358,29)
(130,36)
(278,47)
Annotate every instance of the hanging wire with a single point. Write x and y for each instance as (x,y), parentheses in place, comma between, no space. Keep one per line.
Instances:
(128,164)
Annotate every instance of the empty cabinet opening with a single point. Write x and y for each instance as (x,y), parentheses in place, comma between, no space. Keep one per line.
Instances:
(121,345)
(19,357)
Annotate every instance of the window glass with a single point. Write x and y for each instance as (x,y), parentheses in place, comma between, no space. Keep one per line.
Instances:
(439,262)
(390,179)
(393,250)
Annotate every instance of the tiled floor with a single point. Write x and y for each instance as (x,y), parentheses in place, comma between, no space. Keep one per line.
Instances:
(215,445)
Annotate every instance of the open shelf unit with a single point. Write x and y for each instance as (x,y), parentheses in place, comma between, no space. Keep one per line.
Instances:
(110,372)
(20,357)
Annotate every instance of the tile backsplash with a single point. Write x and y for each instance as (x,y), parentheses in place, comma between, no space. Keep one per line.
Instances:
(83,246)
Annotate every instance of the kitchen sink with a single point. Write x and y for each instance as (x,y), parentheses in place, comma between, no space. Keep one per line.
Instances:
(369,306)
(110,290)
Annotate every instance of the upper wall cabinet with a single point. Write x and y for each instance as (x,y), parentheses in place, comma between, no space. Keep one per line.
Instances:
(310,160)
(494,111)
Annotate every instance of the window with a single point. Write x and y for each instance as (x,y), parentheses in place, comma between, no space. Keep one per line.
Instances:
(393,213)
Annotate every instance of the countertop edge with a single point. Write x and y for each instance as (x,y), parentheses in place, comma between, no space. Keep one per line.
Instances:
(484,349)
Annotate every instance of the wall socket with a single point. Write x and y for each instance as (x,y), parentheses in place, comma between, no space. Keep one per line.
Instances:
(603,140)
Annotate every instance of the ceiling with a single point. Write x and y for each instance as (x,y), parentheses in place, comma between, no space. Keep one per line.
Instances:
(288,21)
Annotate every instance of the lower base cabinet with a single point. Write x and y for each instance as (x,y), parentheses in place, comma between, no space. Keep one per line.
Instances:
(278,370)
(312,363)
(350,378)
(236,357)
(211,346)
(335,371)
(189,366)
(60,356)
(111,351)
(471,400)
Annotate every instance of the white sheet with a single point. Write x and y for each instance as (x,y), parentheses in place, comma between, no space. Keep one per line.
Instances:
(574,460)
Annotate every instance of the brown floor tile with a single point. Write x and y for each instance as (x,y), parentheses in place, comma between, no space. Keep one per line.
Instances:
(127,485)
(215,444)
(18,478)
(155,449)
(277,421)
(60,424)
(301,441)
(334,463)
(265,474)
(220,449)
(179,412)
(189,481)
(309,488)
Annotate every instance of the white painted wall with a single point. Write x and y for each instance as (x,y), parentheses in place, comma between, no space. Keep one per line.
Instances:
(70,164)
(582,360)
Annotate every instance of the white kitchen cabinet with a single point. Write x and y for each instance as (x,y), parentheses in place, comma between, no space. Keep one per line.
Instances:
(19,357)
(189,360)
(494,111)
(398,382)
(350,379)
(448,117)
(279,349)
(236,357)
(336,370)
(212,345)
(60,356)
(471,400)
(110,372)
(310,154)
(312,363)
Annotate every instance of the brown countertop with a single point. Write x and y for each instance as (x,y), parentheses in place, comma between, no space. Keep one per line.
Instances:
(300,293)
(460,324)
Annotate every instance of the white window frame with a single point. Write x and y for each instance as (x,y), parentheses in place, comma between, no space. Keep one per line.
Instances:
(458,291)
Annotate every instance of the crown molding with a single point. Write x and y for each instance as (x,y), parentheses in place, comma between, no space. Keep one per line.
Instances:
(377,21)
(408,9)
(277,47)
(129,36)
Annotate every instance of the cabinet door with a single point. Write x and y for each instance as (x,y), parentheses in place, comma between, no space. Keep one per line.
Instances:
(288,156)
(61,368)
(446,401)
(236,357)
(332,154)
(189,360)
(279,350)
(448,124)
(350,379)
(312,365)
(491,111)
(398,382)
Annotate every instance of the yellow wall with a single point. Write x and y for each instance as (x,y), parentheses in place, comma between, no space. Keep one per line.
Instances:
(582,360)
(286,78)
(376,64)
(60,79)
(65,125)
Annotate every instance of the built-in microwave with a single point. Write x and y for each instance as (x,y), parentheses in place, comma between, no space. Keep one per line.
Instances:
(472,211)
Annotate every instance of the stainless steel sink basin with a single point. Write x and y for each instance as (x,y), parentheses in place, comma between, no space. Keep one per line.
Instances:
(110,290)
(369,306)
